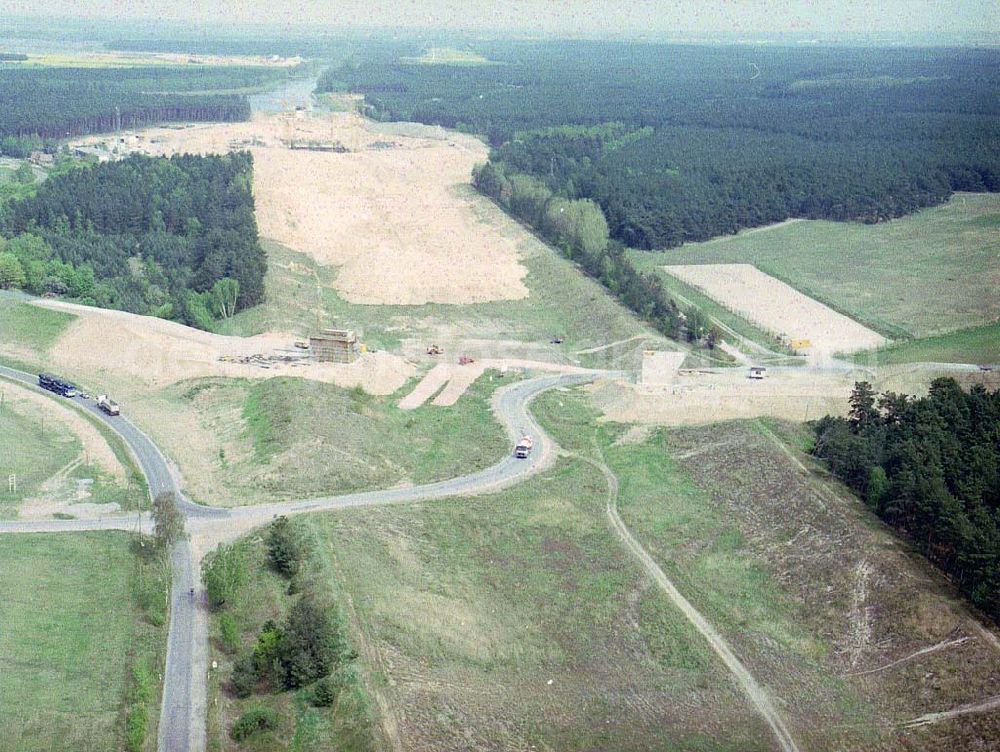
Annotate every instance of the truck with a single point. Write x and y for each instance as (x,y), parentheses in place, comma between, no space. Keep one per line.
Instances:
(523,447)
(108,405)
(57,385)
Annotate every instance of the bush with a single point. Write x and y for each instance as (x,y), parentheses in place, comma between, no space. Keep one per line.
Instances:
(135,728)
(244,678)
(284,547)
(324,693)
(230,633)
(253,722)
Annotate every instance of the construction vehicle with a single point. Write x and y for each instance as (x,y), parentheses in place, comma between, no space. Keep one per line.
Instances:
(523,447)
(434,350)
(757,372)
(108,405)
(57,385)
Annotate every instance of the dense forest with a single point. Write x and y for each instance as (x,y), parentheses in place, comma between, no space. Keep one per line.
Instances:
(174,237)
(52,103)
(930,467)
(679,143)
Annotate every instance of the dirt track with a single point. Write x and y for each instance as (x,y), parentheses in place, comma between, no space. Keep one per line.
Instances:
(757,695)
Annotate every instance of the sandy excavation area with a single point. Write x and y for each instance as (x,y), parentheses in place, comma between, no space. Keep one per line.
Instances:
(779,308)
(389,205)
(702,397)
(155,352)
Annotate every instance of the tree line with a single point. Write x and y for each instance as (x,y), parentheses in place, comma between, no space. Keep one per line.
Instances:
(688,142)
(53,103)
(930,467)
(172,237)
(578,229)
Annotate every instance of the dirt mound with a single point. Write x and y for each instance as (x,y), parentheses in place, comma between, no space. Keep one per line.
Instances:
(158,352)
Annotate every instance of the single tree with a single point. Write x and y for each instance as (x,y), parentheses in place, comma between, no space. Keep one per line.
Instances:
(168,521)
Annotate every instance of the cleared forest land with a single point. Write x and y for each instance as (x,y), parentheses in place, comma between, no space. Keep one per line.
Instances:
(852,635)
(72,638)
(922,275)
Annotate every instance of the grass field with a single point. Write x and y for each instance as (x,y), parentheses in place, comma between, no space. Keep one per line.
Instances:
(47,463)
(811,591)
(563,302)
(515,621)
(30,327)
(72,636)
(979,344)
(287,438)
(32,453)
(447,56)
(927,274)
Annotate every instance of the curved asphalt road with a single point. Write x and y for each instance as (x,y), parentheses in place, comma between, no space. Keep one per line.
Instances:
(182,716)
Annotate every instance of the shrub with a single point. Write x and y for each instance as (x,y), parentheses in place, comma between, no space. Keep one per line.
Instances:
(135,728)
(284,547)
(252,722)
(230,633)
(244,678)
(324,693)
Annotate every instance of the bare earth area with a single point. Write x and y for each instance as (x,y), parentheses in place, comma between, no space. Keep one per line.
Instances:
(389,206)
(777,307)
(158,352)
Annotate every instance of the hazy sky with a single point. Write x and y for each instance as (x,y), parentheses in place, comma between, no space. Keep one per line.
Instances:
(952,17)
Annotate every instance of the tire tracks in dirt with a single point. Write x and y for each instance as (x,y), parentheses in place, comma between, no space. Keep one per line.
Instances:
(755,693)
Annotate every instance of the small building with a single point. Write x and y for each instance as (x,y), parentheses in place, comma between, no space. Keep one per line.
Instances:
(334,346)
(757,372)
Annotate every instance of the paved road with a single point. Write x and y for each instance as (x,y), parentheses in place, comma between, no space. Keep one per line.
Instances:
(183,712)
(180,729)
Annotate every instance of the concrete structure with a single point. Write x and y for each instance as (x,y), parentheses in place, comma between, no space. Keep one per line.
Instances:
(660,368)
(334,346)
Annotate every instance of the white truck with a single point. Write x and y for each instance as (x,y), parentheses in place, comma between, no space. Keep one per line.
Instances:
(108,405)
(523,447)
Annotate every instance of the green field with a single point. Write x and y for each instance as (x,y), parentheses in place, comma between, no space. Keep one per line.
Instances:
(32,453)
(979,344)
(516,620)
(289,438)
(47,463)
(301,297)
(447,56)
(30,327)
(927,274)
(71,639)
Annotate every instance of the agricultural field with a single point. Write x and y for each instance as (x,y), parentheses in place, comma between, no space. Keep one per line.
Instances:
(77,650)
(923,275)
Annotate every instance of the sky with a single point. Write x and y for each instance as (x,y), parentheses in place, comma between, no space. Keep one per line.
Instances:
(562,17)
